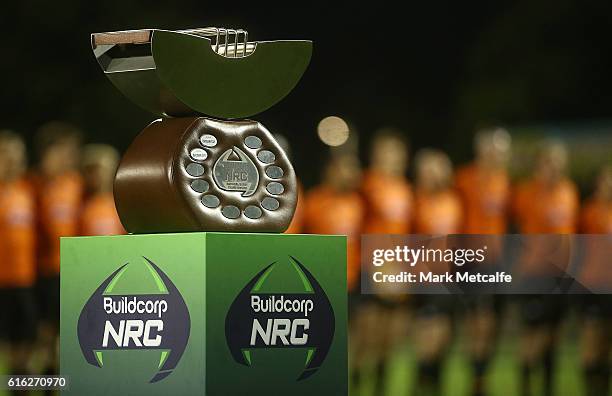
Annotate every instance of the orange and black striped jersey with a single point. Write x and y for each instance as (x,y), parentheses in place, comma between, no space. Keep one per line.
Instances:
(58,207)
(545,209)
(331,212)
(485,195)
(389,204)
(437,213)
(17,235)
(596,218)
(99,216)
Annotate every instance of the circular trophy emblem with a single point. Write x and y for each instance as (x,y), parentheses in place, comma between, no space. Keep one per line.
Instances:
(234,171)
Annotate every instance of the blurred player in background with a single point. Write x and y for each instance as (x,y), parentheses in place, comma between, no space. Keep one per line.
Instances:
(596,274)
(389,201)
(99,215)
(596,215)
(17,254)
(336,207)
(484,187)
(59,189)
(437,211)
(438,207)
(387,192)
(547,203)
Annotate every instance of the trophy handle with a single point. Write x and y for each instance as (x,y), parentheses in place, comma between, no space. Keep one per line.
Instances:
(122,37)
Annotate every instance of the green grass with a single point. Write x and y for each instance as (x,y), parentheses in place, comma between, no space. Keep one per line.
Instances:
(503,377)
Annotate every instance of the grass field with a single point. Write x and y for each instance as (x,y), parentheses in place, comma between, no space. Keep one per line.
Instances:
(503,379)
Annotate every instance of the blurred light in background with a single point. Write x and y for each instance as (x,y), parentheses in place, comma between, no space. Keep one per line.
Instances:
(333,131)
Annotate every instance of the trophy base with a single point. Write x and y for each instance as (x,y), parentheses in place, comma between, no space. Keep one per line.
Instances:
(207,175)
(204,313)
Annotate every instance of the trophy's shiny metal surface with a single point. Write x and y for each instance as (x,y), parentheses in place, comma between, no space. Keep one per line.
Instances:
(186,172)
(209,71)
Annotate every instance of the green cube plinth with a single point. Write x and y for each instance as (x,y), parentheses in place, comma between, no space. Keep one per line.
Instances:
(204,314)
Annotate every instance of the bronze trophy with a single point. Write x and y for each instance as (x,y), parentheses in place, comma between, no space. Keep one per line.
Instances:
(202,166)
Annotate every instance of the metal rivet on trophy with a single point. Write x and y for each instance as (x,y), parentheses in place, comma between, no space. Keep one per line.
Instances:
(202,166)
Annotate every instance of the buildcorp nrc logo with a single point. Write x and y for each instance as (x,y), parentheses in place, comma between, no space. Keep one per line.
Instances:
(260,318)
(159,320)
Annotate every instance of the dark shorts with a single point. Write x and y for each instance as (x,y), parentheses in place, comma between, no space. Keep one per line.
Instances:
(17,315)
(427,305)
(542,309)
(48,296)
(474,303)
(594,306)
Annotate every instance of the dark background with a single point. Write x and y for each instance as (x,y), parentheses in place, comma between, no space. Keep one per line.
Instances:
(436,69)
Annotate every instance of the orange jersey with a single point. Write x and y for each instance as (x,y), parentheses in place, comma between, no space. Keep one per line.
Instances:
(437,213)
(330,212)
(596,218)
(17,235)
(59,204)
(485,195)
(543,209)
(99,216)
(297,223)
(389,204)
